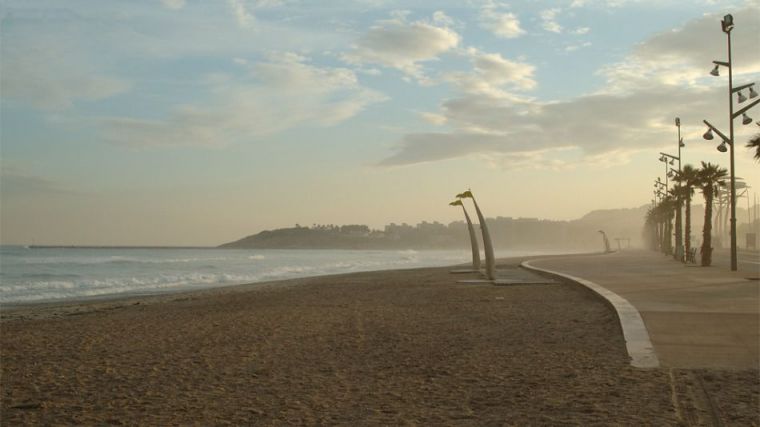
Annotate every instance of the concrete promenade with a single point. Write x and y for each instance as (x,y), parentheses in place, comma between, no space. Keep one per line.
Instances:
(697,317)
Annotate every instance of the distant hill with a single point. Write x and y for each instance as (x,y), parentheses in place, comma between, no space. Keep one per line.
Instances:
(507,233)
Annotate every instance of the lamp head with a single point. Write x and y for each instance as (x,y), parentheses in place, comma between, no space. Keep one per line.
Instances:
(671,161)
(715,71)
(727,24)
(746,119)
(752,93)
(708,135)
(680,143)
(740,97)
(678,121)
(722,147)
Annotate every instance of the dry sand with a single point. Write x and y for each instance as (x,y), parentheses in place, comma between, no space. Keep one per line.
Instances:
(393,347)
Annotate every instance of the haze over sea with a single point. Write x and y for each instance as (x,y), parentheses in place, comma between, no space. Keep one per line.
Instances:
(65,274)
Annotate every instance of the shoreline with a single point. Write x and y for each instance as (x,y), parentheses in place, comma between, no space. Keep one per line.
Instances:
(80,303)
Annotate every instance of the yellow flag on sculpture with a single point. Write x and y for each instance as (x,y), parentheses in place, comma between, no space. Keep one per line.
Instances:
(456,203)
(466,194)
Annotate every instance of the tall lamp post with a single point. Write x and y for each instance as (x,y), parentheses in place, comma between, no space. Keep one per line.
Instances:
(727,24)
(659,196)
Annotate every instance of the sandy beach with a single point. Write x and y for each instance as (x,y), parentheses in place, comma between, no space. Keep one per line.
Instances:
(390,348)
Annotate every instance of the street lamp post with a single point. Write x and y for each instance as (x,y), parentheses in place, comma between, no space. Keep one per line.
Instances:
(664,159)
(727,24)
(661,225)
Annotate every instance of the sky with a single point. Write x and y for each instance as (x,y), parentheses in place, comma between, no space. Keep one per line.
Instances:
(182,122)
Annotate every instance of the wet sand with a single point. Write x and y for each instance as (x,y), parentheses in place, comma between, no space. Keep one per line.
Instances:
(391,347)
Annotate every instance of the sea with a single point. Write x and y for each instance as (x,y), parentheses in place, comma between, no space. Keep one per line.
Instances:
(37,275)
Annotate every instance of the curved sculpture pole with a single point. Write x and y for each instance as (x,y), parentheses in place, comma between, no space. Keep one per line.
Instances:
(473,237)
(487,246)
(606,242)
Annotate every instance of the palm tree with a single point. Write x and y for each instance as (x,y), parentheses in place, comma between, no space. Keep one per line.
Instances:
(679,195)
(651,234)
(666,209)
(710,177)
(688,179)
(755,143)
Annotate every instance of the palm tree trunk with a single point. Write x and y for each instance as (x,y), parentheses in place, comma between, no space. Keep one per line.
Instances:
(659,235)
(678,254)
(707,230)
(687,227)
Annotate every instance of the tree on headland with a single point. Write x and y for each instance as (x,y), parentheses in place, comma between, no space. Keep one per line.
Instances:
(710,177)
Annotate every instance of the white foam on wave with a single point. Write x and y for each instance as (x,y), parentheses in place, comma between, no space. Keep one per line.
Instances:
(91,275)
(65,289)
(122,260)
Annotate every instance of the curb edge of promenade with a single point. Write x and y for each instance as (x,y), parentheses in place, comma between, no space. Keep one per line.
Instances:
(635,333)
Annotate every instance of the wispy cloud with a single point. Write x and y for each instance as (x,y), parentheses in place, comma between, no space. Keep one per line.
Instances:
(500,23)
(404,45)
(276,94)
(47,72)
(549,20)
(17,183)
(242,15)
(684,55)
(173,4)
(663,76)
(493,75)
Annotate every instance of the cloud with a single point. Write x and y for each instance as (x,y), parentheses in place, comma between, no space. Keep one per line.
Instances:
(440,18)
(46,72)
(434,118)
(20,184)
(491,74)
(282,92)
(502,24)
(173,4)
(549,20)
(574,47)
(662,77)
(591,125)
(684,55)
(243,17)
(403,45)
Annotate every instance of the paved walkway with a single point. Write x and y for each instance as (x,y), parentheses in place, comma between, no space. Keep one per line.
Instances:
(697,317)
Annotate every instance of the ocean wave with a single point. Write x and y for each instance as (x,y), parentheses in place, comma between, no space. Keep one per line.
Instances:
(75,275)
(47,290)
(119,260)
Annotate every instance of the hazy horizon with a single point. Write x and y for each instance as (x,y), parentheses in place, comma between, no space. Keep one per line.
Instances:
(183,123)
